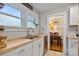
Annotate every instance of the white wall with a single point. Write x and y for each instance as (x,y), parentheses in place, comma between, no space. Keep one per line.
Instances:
(13,33)
(43,23)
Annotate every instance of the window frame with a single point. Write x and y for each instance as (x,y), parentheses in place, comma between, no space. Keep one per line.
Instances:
(7,14)
(30,21)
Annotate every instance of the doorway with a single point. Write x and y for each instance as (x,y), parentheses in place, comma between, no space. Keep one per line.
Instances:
(56,32)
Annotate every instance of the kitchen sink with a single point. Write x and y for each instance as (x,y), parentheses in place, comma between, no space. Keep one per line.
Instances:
(32,37)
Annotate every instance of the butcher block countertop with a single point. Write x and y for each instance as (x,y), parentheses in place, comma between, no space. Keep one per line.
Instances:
(13,44)
(16,43)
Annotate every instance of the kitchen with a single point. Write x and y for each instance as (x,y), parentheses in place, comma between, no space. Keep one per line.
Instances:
(24,28)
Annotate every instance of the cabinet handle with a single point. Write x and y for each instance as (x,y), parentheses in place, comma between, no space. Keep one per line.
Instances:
(21,51)
(39,45)
(71,45)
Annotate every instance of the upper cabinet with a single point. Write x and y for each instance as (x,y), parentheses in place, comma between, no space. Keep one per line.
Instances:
(73,15)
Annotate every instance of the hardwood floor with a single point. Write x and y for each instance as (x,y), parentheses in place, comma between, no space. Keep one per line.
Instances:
(53,53)
(56,47)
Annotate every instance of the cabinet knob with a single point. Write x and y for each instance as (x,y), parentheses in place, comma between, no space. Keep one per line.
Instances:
(39,45)
(71,45)
(21,51)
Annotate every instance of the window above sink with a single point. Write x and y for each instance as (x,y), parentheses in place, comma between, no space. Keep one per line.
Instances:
(31,22)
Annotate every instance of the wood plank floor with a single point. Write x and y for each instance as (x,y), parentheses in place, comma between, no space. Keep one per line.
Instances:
(56,47)
(53,53)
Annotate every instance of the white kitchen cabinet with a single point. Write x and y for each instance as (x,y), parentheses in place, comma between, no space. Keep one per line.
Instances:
(41,46)
(74,15)
(34,48)
(25,50)
(38,47)
(72,47)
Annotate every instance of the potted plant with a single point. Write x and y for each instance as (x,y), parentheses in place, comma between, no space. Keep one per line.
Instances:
(36,25)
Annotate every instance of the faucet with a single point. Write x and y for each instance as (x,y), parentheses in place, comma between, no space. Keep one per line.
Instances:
(28,32)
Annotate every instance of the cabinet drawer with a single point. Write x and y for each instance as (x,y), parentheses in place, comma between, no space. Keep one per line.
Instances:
(72,52)
(73,47)
(72,43)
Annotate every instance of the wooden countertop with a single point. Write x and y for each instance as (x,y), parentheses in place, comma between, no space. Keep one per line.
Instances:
(13,44)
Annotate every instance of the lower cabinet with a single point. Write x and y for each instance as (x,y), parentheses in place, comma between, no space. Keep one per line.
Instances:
(35,48)
(38,47)
(41,46)
(25,50)
(73,47)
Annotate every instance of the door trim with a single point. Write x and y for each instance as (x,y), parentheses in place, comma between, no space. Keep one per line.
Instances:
(65,14)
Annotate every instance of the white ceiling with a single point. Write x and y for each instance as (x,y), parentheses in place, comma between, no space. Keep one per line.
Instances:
(45,7)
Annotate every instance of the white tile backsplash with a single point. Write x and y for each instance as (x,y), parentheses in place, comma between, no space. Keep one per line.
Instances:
(16,33)
(72,29)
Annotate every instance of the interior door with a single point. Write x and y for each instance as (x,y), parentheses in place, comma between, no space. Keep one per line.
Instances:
(56,32)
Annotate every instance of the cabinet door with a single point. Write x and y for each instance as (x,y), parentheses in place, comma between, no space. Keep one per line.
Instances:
(74,15)
(36,48)
(73,47)
(26,50)
(41,46)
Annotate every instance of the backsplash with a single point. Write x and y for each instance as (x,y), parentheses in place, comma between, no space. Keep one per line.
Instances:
(72,29)
(16,33)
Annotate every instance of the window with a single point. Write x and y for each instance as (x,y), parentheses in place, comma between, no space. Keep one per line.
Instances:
(10,16)
(31,18)
(30,22)
(9,21)
(30,25)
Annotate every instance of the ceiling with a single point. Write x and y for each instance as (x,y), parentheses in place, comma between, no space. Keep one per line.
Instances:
(45,7)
